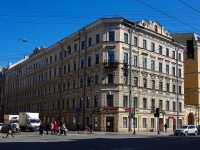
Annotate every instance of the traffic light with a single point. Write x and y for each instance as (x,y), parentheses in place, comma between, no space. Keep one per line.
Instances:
(190,49)
(157,113)
(125,69)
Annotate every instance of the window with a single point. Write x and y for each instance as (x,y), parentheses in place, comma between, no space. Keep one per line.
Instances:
(81,83)
(111,36)
(167,105)
(160,86)
(173,71)
(125,38)
(65,68)
(54,72)
(65,53)
(95,121)
(167,87)
(160,105)
(73,103)
(135,41)
(50,59)
(68,85)
(55,57)
(174,106)
(124,122)
(89,61)
(96,101)
(63,104)
(80,102)
(160,50)
(125,57)
(47,61)
(90,42)
(144,83)
(167,52)
(144,63)
(88,102)
(153,104)
(75,47)
(73,121)
(144,44)
(153,65)
(179,56)
(173,54)
(152,123)
(180,107)
(82,63)
(110,78)
(144,122)
(135,81)
(74,65)
(110,100)
(125,101)
(96,81)
(69,50)
(135,102)
(160,67)
(125,79)
(167,69)
(153,47)
(97,38)
(82,45)
(69,67)
(179,73)
(144,103)
(60,55)
(153,86)
(179,90)
(135,61)
(88,81)
(74,84)
(174,88)
(97,58)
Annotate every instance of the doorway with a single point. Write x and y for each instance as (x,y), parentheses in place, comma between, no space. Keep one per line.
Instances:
(109,124)
(161,125)
(191,118)
(174,124)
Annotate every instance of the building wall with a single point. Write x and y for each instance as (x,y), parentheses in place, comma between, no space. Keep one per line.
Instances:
(23,93)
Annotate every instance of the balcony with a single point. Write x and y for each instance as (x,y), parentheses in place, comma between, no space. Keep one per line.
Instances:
(111,64)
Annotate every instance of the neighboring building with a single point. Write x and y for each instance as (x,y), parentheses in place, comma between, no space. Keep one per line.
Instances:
(192,78)
(34,84)
(2,90)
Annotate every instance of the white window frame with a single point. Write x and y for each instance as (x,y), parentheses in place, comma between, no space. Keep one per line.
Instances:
(107,35)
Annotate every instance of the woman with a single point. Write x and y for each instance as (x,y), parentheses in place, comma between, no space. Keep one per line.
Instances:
(63,129)
(17,128)
(41,129)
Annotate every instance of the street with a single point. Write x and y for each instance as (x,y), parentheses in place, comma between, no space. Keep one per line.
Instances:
(98,141)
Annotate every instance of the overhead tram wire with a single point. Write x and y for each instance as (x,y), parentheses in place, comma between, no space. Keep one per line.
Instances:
(169,16)
(189,6)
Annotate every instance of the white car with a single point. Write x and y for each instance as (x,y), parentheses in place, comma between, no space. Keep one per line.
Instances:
(1,124)
(186,129)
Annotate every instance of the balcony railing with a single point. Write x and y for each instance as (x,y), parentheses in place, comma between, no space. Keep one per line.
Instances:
(111,64)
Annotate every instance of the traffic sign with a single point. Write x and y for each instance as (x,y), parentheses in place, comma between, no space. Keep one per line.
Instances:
(137,111)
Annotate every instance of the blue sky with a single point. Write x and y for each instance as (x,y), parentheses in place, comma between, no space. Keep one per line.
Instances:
(44,22)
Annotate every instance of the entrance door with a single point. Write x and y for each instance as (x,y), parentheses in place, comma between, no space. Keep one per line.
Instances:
(174,124)
(161,125)
(87,121)
(109,124)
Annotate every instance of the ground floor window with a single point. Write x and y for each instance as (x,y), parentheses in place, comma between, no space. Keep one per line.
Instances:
(95,121)
(144,122)
(152,122)
(73,121)
(48,119)
(124,122)
(135,122)
(52,119)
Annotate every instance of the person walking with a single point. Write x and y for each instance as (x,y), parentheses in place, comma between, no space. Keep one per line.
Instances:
(165,126)
(17,128)
(41,129)
(47,128)
(10,131)
(55,128)
(52,128)
(91,127)
(63,129)
(78,128)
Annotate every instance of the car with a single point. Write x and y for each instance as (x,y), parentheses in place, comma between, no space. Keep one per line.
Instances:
(186,130)
(198,128)
(5,127)
(1,124)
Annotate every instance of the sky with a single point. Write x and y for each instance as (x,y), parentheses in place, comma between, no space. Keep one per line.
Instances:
(45,22)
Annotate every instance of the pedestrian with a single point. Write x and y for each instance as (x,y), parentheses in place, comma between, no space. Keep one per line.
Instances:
(17,128)
(88,129)
(165,127)
(55,127)
(52,127)
(41,129)
(47,128)
(78,128)
(63,129)
(10,131)
(91,127)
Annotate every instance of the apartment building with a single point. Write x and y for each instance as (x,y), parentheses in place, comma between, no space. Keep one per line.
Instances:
(81,78)
(2,89)
(191,80)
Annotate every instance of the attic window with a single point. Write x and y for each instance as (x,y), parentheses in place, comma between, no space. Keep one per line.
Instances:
(155,28)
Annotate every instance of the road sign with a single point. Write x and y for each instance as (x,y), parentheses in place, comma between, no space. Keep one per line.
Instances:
(137,111)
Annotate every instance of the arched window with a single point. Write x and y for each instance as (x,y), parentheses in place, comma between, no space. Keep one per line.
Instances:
(155,28)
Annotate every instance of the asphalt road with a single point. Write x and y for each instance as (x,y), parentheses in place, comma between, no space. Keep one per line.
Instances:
(33,141)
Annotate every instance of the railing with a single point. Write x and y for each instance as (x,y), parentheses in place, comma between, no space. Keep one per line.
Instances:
(113,63)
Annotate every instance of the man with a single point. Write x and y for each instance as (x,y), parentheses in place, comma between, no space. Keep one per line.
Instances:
(165,127)
(91,127)
(78,128)
(10,131)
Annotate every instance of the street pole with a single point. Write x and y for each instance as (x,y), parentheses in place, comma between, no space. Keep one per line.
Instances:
(61,65)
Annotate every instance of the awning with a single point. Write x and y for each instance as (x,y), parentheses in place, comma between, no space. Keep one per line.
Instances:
(172,117)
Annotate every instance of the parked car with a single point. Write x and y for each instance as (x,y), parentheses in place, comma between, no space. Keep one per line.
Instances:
(1,124)
(186,130)
(5,127)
